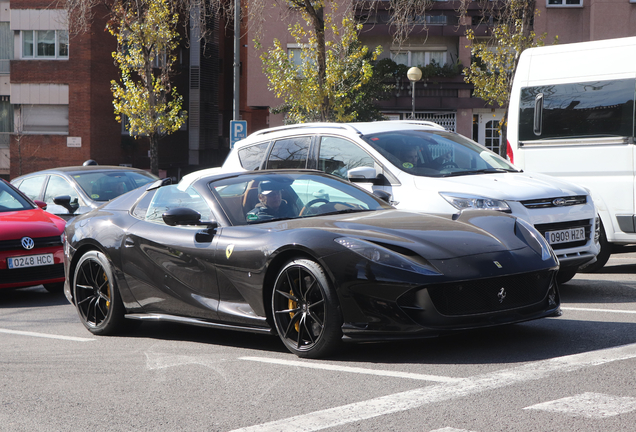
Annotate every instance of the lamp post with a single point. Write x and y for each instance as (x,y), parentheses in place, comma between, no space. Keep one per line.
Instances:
(414,75)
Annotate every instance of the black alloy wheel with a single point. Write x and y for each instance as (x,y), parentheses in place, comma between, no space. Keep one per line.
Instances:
(305,310)
(96,297)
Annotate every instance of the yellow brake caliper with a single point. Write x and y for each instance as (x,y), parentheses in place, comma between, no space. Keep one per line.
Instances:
(293,305)
(107,290)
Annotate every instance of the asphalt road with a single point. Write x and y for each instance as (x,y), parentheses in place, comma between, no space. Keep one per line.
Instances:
(572,373)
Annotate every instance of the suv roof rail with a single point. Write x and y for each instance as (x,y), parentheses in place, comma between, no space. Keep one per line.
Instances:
(306,125)
(421,122)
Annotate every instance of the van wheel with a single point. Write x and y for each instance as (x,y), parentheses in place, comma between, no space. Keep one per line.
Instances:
(603,255)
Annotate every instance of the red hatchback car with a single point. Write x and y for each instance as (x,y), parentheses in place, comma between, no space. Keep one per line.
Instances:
(31,246)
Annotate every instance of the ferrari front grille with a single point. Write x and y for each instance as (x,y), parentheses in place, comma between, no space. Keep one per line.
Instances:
(490,295)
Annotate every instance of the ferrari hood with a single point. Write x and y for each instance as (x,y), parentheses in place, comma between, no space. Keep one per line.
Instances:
(430,236)
(30,223)
(506,186)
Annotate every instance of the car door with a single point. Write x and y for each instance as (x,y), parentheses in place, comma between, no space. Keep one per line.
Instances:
(168,268)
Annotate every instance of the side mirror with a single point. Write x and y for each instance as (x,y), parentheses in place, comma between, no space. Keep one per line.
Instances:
(40,204)
(383,195)
(65,201)
(361,174)
(186,216)
(181,216)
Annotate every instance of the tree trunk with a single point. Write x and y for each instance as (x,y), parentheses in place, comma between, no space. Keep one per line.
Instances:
(154,154)
(319,27)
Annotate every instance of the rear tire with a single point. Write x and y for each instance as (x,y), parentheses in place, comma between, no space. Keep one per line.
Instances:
(305,310)
(96,296)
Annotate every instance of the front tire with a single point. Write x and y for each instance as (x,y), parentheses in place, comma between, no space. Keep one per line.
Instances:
(96,295)
(602,257)
(305,310)
(564,276)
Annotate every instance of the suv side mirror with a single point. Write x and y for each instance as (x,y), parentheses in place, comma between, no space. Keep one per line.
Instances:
(361,174)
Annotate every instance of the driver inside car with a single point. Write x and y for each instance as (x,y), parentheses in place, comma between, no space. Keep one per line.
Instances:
(271,203)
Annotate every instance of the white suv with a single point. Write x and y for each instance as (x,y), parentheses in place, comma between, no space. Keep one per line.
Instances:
(427,168)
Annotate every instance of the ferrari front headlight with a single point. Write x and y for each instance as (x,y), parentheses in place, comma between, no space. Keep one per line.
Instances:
(384,256)
(475,202)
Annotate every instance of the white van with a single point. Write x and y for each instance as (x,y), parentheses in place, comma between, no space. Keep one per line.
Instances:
(572,116)
(424,167)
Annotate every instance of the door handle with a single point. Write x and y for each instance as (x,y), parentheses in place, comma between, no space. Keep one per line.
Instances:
(129,242)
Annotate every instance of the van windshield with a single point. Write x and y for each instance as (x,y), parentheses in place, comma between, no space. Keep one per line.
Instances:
(436,153)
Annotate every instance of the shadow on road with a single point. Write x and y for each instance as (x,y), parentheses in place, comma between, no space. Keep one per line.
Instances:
(30,297)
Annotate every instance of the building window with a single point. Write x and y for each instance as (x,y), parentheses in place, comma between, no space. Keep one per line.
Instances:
(6,115)
(43,119)
(44,44)
(564,3)
(419,57)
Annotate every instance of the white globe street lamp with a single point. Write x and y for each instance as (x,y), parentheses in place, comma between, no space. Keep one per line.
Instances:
(414,75)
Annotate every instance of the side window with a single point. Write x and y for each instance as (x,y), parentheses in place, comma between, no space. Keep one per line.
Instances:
(252,157)
(289,153)
(59,186)
(338,155)
(577,110)
(32,186)
(169,197)
(141,208)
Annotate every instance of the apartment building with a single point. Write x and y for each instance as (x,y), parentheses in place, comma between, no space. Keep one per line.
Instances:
(56,103)
(439,36)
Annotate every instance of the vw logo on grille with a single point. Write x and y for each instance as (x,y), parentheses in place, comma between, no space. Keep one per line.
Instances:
(27,243)
(501,295)
(558,202)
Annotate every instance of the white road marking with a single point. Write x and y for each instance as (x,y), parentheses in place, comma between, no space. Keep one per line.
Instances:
(590,405)
(163,360)
(598,310)
(359,411)
(450,429)
(336,368)
(44,335)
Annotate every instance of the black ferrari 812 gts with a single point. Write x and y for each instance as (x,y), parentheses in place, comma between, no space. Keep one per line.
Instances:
(305,255)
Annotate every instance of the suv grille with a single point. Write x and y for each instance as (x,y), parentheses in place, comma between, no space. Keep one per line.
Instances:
(485,295)
(585,223)
(555,202)
(39,243)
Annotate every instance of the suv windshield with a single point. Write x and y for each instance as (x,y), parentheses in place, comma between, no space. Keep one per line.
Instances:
(436,153)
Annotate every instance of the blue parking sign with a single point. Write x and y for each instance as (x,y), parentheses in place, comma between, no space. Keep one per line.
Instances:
(238,131)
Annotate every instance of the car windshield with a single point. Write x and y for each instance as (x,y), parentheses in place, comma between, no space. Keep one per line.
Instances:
(436,153)
(10,200)
(106,185)
(248,199)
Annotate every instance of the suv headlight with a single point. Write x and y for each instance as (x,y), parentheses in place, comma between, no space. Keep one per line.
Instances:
(384,256)
(475,202)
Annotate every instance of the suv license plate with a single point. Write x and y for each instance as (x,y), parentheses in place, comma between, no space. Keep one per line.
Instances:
(30,261)
(565,236)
